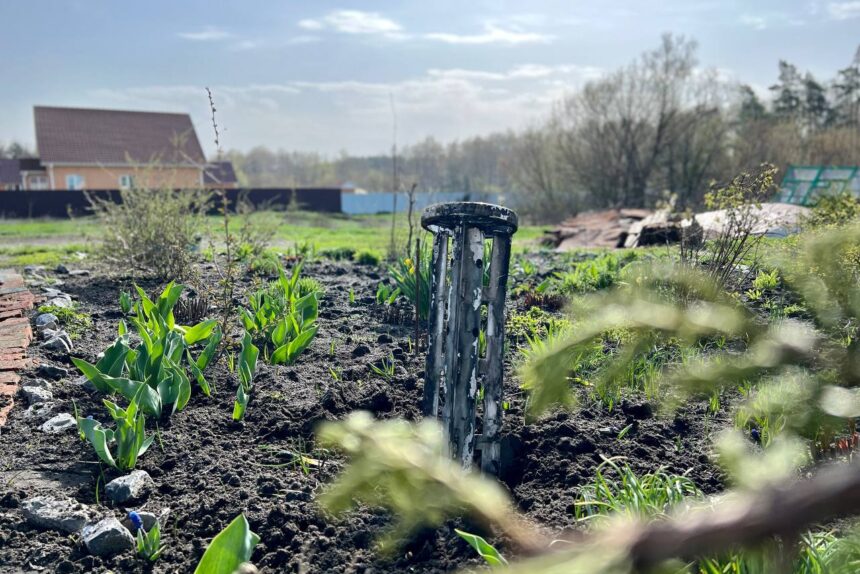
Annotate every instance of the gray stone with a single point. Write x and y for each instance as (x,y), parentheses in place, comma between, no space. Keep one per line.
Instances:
(29,269)
(79,272)
(56,344)
(62,269)
(41,383)
(61,302)
(107,537)
(50,293)
(51,371)
(37,394)
(132,486)
(39,411)
(47,321)
(56,513)
(60,423)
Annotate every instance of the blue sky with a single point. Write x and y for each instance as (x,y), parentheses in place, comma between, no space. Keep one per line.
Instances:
(320,76)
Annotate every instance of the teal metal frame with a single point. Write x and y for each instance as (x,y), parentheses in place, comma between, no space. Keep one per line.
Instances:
(804,191)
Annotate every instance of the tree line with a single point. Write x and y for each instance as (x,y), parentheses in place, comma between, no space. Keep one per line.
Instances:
(660,125)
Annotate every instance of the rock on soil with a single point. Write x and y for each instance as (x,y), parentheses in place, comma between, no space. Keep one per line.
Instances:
(51,371)
(36,394)
(47,321)
(57,344)
(107,537)
(59,423)
(132,486)
(62,514)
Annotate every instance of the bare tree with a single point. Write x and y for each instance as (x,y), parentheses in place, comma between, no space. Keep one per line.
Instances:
(617,129)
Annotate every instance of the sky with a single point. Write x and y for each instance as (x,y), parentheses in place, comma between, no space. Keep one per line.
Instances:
(331,77)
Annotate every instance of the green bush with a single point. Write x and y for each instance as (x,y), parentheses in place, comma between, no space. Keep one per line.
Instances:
(834,210)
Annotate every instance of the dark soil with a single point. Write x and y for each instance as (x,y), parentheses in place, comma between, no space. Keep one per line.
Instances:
(211,469)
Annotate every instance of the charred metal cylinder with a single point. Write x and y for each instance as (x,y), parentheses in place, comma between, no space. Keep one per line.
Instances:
(466,346)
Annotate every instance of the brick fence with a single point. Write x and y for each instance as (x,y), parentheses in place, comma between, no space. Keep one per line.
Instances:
(15,336)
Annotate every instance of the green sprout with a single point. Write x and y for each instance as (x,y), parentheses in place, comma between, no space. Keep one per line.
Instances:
(247,367)
(128,438)
(385,369)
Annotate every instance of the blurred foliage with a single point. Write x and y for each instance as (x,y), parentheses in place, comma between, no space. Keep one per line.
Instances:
(801,377)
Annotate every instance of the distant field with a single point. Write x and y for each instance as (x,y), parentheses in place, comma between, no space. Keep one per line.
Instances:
(51,241)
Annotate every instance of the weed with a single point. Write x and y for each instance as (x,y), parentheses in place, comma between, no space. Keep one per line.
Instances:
(766,280)
(592,275)
(338,253)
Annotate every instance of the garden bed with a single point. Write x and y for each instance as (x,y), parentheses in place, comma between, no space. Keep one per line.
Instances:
(207,469)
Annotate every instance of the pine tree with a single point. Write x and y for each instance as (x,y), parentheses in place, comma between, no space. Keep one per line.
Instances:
(847,94)
(816,108)
(751,107)
(787,103)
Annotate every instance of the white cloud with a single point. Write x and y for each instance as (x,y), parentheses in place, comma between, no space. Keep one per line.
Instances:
(492,34)
(310,24)
(523,71)
(356,22)
(207,34)
(844,10)
(446,103)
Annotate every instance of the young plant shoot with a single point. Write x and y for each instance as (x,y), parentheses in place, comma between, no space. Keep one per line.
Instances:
(247,367)
(128,439)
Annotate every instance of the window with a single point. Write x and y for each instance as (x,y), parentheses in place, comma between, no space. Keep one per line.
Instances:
(74,181)
(38,182)
(126,182)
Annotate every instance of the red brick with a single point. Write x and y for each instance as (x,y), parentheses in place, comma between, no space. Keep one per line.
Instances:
(9,323)
(8,377)
(14,281)
(15,334)
(14,364)
(16,304)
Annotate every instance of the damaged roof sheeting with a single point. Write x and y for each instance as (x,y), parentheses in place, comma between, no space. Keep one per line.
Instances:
(606,228)
(641,227)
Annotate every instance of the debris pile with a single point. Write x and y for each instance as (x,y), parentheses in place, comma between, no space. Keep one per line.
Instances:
(606,228)
(641,227)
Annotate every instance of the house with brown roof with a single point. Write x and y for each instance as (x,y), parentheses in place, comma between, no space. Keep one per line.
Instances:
(115,149)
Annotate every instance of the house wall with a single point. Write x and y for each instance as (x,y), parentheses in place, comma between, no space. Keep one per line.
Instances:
(101,177)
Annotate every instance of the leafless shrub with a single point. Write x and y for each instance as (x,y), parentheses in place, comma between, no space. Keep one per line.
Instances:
(738,236)
(153,232)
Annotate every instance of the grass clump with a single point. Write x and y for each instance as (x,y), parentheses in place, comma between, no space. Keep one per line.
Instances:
(338,253)
(616,489)
(367,257)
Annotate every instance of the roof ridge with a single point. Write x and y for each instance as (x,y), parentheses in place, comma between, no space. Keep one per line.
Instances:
(113,110)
